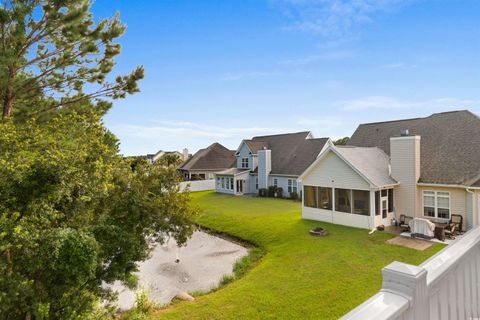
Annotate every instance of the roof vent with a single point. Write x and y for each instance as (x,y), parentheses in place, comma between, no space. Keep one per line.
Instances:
(404,133)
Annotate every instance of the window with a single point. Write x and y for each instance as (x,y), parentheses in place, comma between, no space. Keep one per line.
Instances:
(219,183)
(292,185)
(275,182)
(343,200)
(436,204)
(231,183)
(223,183)
(310,197)
(324,198)
(361,202)
(244,162)
(256,183)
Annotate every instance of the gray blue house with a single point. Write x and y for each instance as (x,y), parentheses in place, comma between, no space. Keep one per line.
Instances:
(275,160)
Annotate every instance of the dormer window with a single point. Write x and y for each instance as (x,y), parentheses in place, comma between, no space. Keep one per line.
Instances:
(244,162)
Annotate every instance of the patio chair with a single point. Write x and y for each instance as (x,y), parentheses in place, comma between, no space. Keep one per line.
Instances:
(456,221)
(404,222)
(450,232)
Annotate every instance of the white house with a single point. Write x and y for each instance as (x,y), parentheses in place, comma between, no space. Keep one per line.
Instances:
(424,167)
(274,160)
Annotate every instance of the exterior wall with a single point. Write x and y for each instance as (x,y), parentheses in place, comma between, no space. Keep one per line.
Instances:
(334,172)
(264,167)
(469,210)
(282,183)
(253,185)
(244,152)
(405,164)
(346,219)
(218,188)
(246,185)
(458,201)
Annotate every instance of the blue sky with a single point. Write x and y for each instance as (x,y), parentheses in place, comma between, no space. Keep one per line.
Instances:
(226,70)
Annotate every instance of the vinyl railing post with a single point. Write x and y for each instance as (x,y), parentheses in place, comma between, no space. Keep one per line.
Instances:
(410,282)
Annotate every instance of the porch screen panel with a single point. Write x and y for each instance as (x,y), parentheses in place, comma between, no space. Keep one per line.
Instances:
(324,198)
(343,201)
(310,197)
(361,202)
(390,200)
(377,203)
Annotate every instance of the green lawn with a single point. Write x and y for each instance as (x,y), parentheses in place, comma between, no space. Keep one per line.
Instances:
(300,276)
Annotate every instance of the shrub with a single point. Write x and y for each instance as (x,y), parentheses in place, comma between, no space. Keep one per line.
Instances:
(279,192)
(131,281)
(271,191)
(294,195)
(262,192)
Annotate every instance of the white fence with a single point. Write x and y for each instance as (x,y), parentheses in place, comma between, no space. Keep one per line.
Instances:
(199,185)
(446,286)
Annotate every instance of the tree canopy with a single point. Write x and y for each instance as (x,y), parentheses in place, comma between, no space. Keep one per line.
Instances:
(74,213)
(54,51)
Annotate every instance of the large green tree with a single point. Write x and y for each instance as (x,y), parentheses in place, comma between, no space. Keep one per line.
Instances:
(53,49)
(73,212)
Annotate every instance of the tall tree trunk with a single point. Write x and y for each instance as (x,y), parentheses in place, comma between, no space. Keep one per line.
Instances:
(9,97)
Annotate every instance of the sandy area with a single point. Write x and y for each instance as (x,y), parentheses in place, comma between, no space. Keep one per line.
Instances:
(203,262)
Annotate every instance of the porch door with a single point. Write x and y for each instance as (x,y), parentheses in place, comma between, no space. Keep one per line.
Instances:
(384,206)
(239,186)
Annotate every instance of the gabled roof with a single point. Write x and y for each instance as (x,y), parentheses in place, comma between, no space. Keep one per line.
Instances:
(292,153)
(215,157)
(232,172)
(373,163)
(450,144)
(254,146)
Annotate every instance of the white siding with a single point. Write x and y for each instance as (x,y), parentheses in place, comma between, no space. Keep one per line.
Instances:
(264,167)
(405,163)
(218,188)
(244,152)
(346,219)
(282,183)
(458,201)
(334,172)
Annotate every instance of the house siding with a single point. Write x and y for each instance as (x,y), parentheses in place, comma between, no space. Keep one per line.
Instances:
(458,201)
(334,172)
(405,165)
(282,183)
(346,219)
(244,152)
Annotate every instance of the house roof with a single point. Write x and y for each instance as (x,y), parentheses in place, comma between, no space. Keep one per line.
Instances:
(450,144)
(215,157)
(371,162)
(292,153)
(254,146)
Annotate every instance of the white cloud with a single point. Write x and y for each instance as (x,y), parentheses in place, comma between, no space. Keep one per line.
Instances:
(245,75)
(383,102)
(190,131)
(333,17)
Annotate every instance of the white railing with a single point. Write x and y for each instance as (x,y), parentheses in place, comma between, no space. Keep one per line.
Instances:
(446,286)
(198,185)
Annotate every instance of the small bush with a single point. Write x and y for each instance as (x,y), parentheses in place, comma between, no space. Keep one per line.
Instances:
(262,192)
(294,195)
(226,279)
(271,191)
(279,192)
